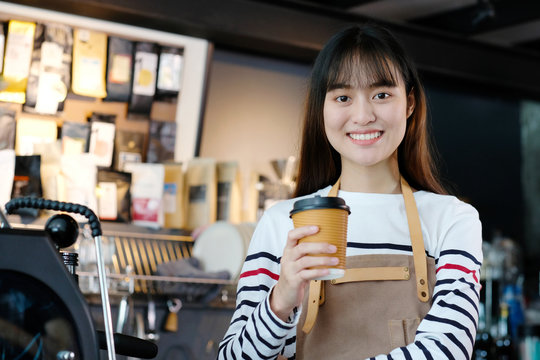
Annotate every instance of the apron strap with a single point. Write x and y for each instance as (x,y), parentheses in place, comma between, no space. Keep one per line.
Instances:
(334,190)
(419,251)
(374,274)
(314,298)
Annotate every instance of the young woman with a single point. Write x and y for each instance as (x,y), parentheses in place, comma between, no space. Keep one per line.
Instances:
(365,140)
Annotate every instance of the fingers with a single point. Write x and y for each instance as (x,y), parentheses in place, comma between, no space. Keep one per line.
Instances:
(306,260)
(311,274)
(299,233)
(311,248)
(314,261)
(307,247)
(299,253)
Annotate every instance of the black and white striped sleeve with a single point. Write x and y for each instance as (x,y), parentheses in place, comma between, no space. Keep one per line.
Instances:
(255,332)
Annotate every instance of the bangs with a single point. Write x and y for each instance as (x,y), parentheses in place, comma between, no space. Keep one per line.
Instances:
(363,66)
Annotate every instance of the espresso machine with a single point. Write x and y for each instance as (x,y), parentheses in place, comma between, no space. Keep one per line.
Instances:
(43,314)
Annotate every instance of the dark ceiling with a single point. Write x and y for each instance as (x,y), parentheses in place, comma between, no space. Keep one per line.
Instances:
(476,40)
(494,43)
(506,23)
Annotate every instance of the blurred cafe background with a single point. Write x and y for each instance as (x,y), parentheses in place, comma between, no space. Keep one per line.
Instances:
(177,122)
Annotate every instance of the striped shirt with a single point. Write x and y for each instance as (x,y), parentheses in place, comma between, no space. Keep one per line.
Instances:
(377,225)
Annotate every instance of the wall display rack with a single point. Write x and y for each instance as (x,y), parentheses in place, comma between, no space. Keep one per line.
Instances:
(197,55)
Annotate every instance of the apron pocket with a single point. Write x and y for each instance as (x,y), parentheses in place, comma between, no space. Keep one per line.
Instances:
(402,332)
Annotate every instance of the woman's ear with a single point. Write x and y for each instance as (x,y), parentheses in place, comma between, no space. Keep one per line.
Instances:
(411,103)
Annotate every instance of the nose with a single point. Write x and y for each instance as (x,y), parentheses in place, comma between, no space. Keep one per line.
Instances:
(362,112)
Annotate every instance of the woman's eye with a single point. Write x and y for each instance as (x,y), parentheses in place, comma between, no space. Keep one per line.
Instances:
(342,98)
(381,96)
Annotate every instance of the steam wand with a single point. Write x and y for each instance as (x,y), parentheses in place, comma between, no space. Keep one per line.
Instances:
(93,221)
(4,223)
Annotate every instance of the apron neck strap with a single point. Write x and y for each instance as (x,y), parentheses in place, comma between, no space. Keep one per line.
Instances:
(334,190)
(415,231)
(417,241)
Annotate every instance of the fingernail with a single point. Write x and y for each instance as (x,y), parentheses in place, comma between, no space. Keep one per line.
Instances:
(313,228)
(332,248)
(335,261)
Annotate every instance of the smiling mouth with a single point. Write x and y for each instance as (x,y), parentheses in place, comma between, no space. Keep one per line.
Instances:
(368,136)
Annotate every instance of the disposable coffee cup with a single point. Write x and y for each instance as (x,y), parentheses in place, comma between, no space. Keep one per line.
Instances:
(331,215)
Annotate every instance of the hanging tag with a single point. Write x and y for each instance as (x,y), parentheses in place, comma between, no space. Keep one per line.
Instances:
(171,323)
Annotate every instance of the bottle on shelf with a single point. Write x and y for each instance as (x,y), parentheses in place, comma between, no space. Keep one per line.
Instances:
(484,346)
(504,346)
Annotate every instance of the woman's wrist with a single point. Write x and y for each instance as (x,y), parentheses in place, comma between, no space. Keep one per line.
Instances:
(281,311)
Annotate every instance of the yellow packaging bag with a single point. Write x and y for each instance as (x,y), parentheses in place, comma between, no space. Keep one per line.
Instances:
(229,203)
(89,63)
(173,197)
(18,55)
(31,131)
(200,192)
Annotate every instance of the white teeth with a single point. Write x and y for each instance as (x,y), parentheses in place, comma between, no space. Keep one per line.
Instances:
(369,136)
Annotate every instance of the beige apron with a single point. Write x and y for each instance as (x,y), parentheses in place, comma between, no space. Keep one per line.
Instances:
(375,308)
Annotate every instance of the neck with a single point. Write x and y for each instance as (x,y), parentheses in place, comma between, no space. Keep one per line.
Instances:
(382,178)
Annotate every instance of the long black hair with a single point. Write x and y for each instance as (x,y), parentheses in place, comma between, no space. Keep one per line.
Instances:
(366,54)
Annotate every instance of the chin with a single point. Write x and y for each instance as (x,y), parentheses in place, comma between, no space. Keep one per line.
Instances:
(366,162)
(369,161)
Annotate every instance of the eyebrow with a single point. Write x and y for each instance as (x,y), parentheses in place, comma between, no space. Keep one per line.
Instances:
(339,86)
(380,83)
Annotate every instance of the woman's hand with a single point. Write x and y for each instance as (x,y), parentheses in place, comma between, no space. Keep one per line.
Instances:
(296,270)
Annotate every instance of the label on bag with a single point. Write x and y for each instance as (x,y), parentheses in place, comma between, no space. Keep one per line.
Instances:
(144,82)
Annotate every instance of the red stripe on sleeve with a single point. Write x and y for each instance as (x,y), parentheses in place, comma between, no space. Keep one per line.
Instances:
(460,268)
(260,271)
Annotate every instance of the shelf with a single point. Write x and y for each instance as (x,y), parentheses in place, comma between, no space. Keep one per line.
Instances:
(157,278)
(113,229)
(225,297)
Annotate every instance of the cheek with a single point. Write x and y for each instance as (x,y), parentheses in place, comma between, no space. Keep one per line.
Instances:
(397,122)
(402,129)
(330,128)
(399,117)
(333,118)
(327,119)
(326,114)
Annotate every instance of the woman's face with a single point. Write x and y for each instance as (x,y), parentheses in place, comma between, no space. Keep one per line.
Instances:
(366,124)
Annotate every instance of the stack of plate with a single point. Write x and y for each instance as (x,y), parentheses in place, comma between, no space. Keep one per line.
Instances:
(223,246)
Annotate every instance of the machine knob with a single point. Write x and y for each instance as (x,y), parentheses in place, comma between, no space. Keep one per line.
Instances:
(62,229)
